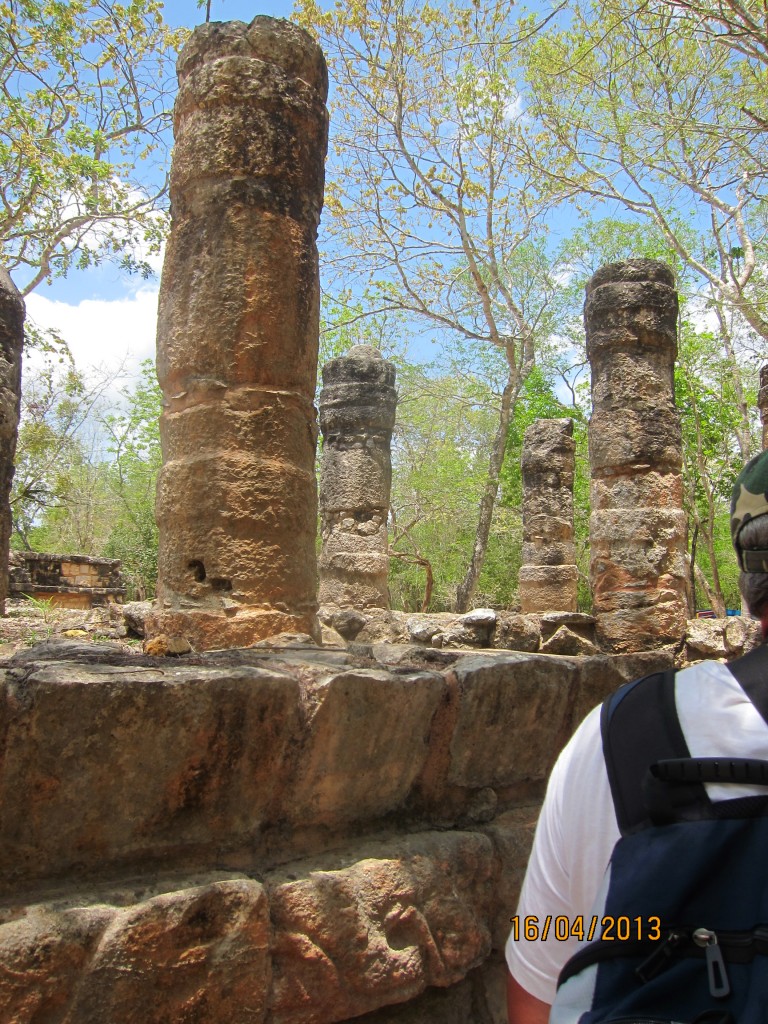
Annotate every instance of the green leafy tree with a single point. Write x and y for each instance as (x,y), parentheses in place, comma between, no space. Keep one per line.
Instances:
(428,202)
(86,87)
(53,449)
(134,446)
(638,106)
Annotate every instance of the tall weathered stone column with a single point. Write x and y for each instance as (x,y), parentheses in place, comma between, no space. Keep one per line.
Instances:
(357,415)
(238,337)
(11,343)
(548,576)
(762,403)
(638,527)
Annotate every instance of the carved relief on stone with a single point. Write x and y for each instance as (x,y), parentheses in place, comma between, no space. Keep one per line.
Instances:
(238,337)
(548,575)
(11,343)
(357,415)
(638,526)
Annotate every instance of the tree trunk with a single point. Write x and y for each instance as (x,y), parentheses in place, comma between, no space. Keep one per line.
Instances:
(468,585)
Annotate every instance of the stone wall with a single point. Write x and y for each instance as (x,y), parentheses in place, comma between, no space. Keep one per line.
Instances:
(292,836)
(67,581)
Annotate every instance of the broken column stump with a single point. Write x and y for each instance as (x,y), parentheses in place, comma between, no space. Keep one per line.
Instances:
(357,415)
(548,576)
(11,343)
(638,526)
(238,337)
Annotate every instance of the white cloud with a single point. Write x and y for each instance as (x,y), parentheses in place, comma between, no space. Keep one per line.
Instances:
(102,334)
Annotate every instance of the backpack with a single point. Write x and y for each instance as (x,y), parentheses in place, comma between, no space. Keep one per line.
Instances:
(682,921)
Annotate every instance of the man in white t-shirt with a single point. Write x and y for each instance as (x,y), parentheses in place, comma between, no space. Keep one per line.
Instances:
(577,828)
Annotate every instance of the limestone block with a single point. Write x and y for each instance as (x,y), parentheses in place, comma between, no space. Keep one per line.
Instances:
(365,746)
(194,953)
(565,641)
(510,711)
(517,632)
(407,914)
(383,625)
(548,587)
(707,637)
(512,836)
(742,634)
(174,761)
(421,628)
(238,335)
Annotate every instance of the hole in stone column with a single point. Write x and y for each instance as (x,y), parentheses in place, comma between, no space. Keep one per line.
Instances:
(220,584)
(197,569)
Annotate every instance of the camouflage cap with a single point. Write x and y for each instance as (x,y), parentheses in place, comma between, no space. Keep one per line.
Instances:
(750,499)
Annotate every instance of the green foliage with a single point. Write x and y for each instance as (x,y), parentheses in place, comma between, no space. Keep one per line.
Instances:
(86,87)
(134,444)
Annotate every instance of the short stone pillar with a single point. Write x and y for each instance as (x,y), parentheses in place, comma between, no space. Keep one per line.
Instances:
(638,526)
(237,338)
(357,415)
(762,403)
(548,576)
(12,315)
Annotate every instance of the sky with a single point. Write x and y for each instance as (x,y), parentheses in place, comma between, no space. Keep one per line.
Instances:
(108,317)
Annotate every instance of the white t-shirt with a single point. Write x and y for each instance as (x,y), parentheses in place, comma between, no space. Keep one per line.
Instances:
(577,827)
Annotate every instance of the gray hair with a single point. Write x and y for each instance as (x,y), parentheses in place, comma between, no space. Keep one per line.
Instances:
(754,585)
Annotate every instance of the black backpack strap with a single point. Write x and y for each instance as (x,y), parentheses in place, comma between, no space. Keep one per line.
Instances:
(639,727)
(751,672)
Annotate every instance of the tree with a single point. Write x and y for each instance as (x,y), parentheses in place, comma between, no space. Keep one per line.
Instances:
(134,447)
(53,454)
(429,205)
(637,106)
(84,139)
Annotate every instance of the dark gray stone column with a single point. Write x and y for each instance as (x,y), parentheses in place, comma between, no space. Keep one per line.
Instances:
(638,526)
(357,415)
(548,575)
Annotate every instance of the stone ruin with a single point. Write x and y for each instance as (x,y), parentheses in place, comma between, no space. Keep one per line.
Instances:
(638,525)
(357,415)
(67,581)
(290,834)
(237,337)
(548,576)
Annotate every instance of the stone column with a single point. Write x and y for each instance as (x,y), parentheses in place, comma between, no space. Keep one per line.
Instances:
(637,527)
(357,414)
(11,343)
(548,575)
(238,337)
(762,403)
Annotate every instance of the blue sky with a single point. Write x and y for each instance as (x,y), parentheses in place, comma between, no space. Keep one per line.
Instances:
(108,317)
